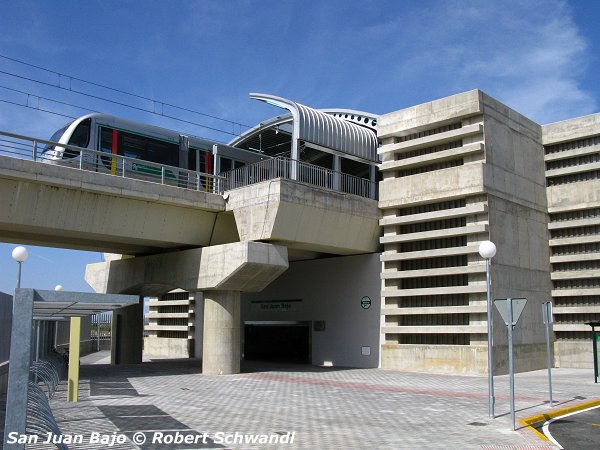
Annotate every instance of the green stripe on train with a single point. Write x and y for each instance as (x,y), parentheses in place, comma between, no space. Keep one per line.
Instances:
(152,171)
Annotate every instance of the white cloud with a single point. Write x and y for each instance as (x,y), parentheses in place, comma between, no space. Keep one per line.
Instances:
(528,54)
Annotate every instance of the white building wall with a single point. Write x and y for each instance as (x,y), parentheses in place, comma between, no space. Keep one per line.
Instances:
(329,290)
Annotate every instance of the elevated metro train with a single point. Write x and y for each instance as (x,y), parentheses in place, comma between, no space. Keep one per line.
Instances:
(138,141)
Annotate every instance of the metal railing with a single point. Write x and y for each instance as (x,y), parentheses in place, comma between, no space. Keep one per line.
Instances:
(101,330)
(25,147)
(45,374)
(282,167)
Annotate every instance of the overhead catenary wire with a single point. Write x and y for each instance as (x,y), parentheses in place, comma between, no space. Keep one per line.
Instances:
(38,109)
(30,94)
(121,91)
(119,103)
(138,108)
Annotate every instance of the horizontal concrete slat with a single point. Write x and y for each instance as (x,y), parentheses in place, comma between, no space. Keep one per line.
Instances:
(434,291)
(434,139)
(437,329)
(450,251)
(575,292)
(399,274)
(477,208)
(423,160)
(582,151)
(575,274)
(435,234)
(475,309)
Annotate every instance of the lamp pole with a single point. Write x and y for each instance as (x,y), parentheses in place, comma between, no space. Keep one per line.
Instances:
(487,250)
(20,255)
(57,288)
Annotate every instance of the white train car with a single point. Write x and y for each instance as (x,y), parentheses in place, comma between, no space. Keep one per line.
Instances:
(139,142)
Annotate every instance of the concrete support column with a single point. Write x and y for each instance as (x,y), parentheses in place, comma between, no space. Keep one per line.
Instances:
(127,334)
(221,346)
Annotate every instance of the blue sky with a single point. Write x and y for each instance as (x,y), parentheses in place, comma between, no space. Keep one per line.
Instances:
(539,57)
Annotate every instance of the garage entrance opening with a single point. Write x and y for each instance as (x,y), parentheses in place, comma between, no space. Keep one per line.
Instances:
(277,341)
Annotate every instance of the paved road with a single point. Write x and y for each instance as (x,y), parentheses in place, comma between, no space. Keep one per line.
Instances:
(577,431)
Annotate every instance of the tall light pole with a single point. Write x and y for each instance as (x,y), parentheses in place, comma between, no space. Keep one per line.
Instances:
(20,255)
(487,250)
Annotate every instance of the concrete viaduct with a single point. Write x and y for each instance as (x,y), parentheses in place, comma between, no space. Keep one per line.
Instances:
(221,245)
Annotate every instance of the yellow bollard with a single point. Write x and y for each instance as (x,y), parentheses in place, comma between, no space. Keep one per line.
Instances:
(74,344)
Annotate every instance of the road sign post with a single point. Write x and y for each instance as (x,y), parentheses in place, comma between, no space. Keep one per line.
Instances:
(510,309)
(595,340)
(511,367)
(547,315)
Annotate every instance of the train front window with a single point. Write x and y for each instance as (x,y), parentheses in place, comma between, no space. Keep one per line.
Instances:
(56,137)
(79,138)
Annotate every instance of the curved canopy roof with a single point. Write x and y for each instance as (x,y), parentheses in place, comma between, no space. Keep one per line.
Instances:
(347,132)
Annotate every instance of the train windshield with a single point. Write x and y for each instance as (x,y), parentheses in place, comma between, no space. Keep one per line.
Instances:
(56,137)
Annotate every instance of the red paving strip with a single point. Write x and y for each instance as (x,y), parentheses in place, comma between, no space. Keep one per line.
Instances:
(381,387)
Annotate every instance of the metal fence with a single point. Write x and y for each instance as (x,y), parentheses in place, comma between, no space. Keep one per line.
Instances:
(283,167)
(101,330)
(25,147)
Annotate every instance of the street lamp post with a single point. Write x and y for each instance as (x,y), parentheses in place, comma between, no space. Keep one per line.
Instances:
(19,254)
(57,288)
(487,250)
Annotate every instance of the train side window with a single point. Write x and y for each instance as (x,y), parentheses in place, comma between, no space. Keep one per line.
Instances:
(192,158)
(202,155)
(106,140)
(162,153)
(226,164)
(132,145)
(79,138)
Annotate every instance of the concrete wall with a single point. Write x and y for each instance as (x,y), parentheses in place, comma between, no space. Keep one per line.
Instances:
(330,290)
(572,165)
(5,331)
(458,171)
(518,225)
(171,347)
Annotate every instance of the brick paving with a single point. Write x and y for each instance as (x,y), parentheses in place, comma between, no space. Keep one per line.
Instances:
(325,408)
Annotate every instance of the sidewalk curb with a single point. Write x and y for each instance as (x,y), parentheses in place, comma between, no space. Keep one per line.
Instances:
(533,421)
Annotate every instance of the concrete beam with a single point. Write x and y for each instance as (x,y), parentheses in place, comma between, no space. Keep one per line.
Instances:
(304,217)
(570,130)
(241,266)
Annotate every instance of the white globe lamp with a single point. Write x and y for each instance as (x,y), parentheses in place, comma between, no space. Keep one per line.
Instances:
(20,254)
(487,249)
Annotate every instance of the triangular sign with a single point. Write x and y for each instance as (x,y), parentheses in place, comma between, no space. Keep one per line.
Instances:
(518,305)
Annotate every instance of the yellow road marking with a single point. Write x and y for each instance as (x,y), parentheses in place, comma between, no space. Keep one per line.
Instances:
(531,422)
